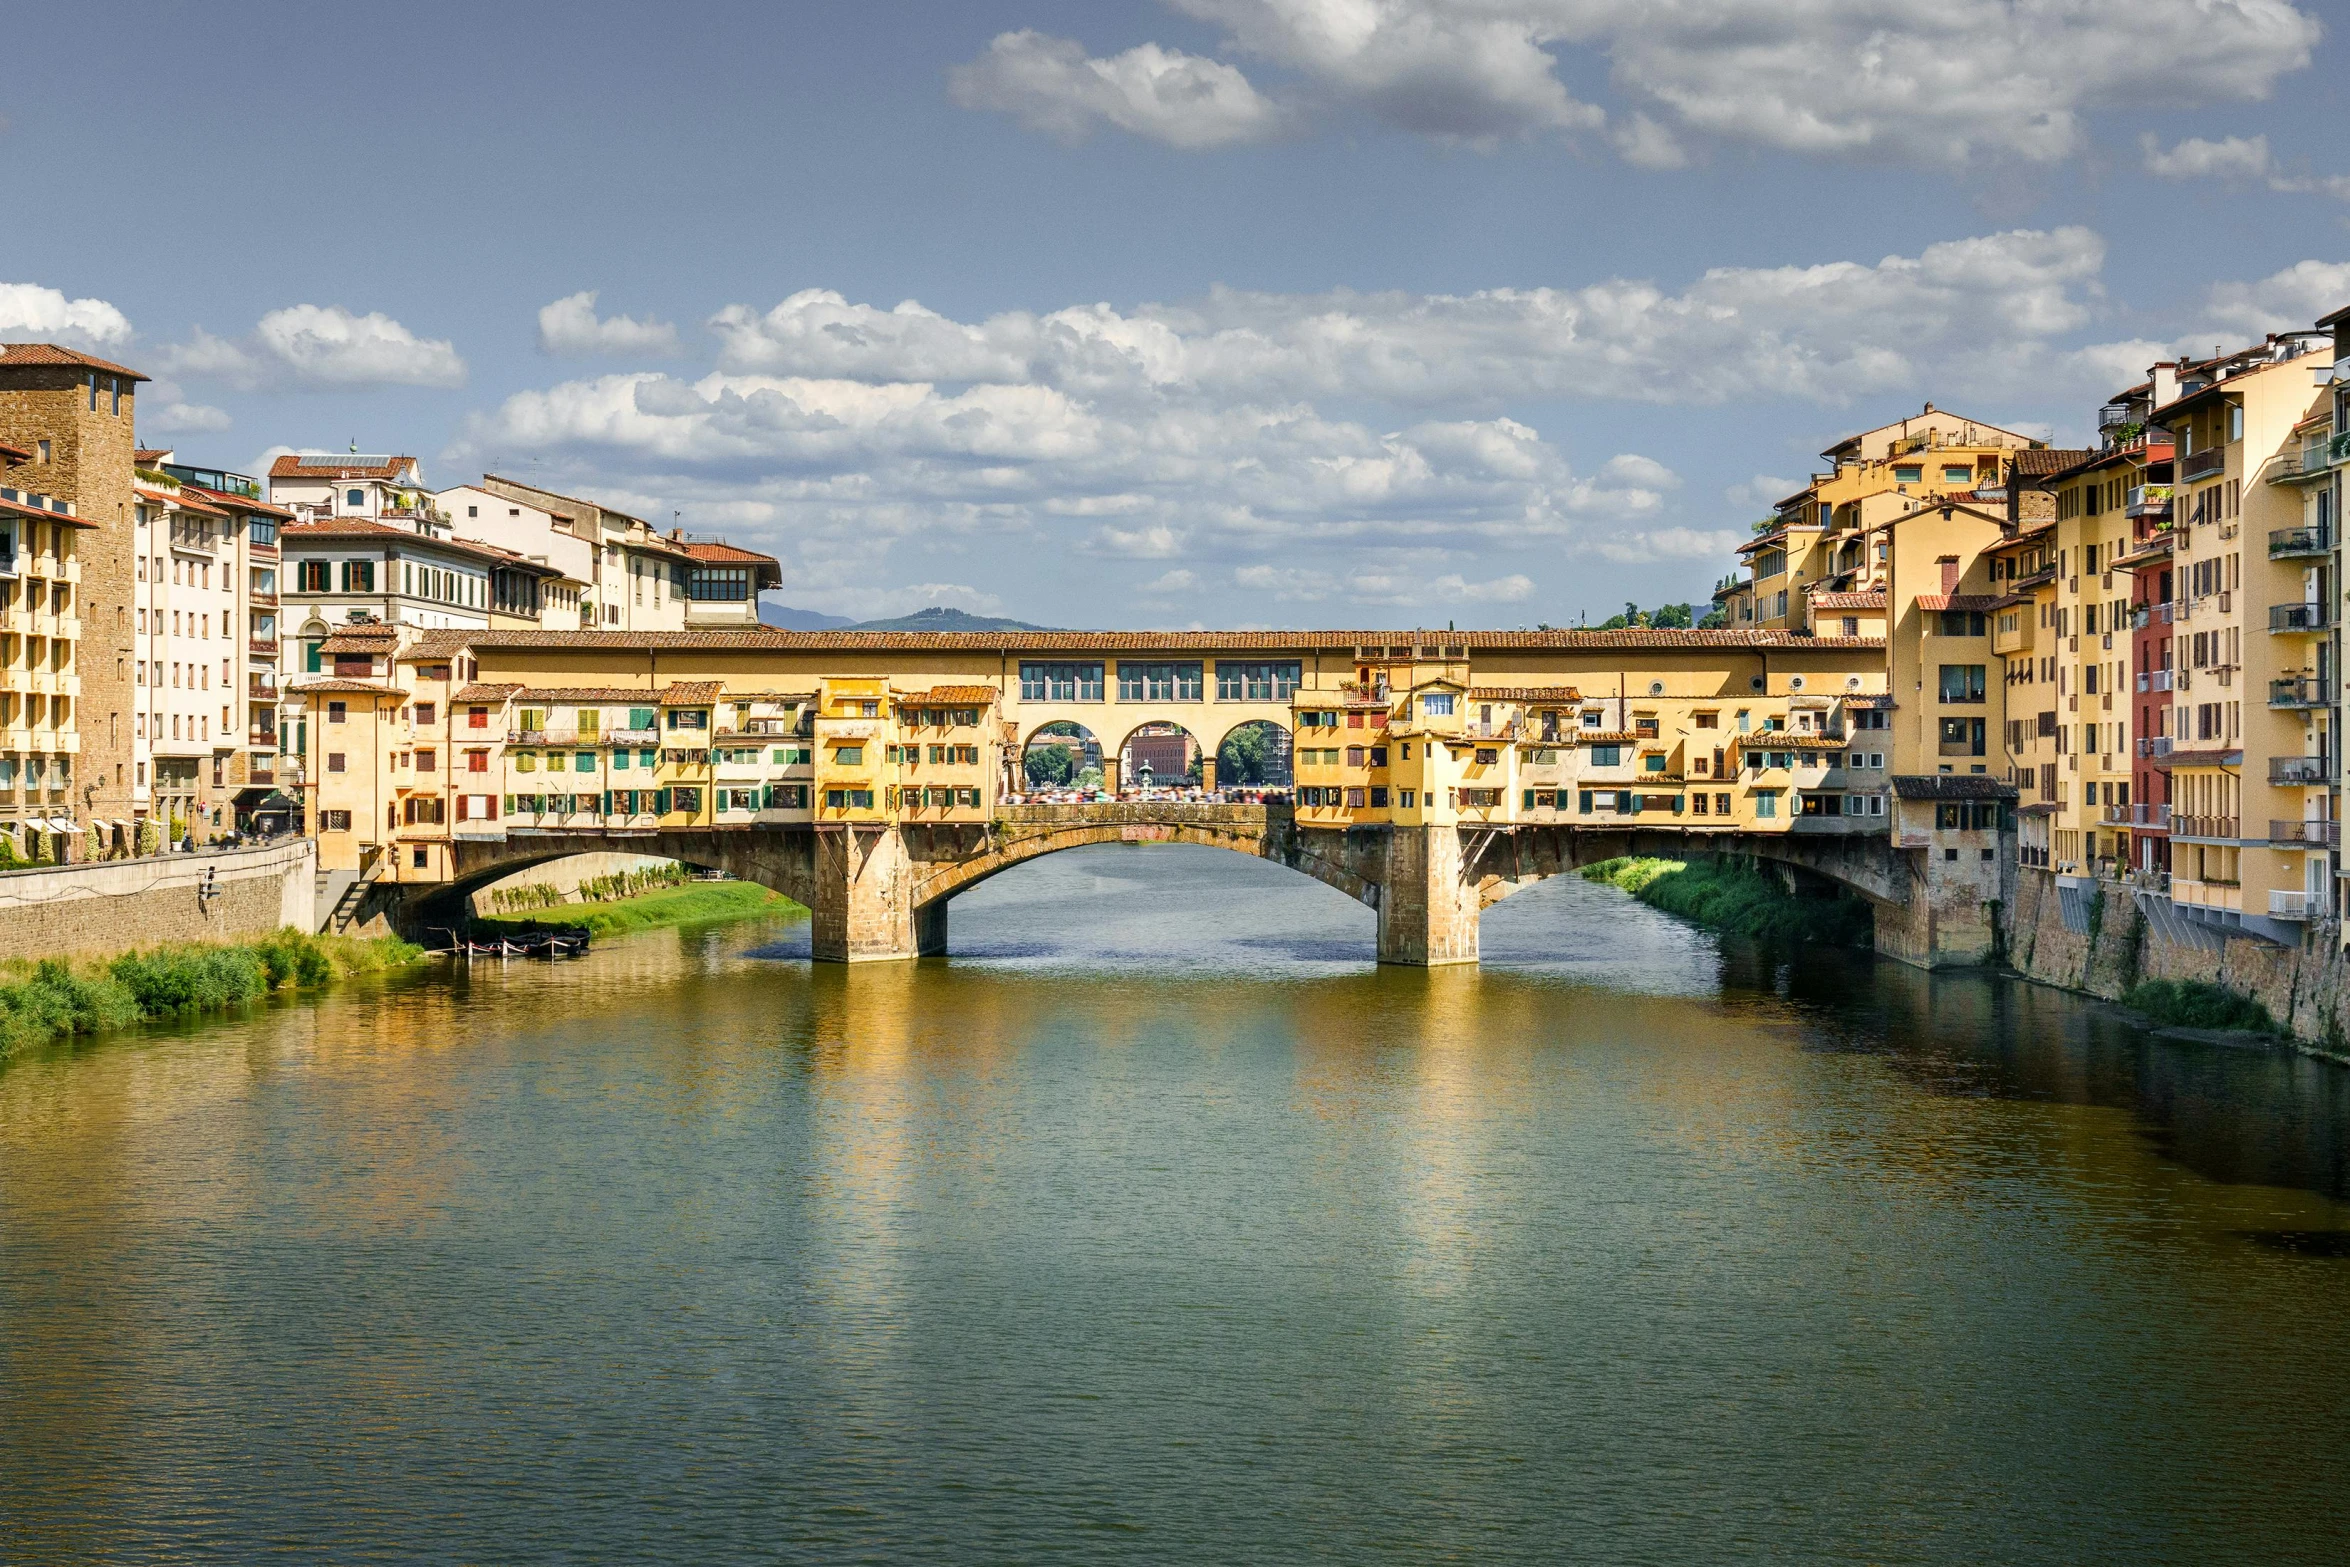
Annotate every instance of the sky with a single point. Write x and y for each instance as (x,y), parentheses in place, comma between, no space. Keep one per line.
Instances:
(1168,313)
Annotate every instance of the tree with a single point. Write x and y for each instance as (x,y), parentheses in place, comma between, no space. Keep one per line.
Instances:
(1673,617)
(1049,766)
(1245,756)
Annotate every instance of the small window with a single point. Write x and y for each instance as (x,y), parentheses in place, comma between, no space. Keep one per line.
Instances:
(1436,704)
(1909,473)
(354,499)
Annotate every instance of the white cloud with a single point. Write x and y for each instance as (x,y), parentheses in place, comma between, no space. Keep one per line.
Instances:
(1052,85)
(1147,543)
(1829,333)
(165,409)
(570,329)
(1633,548)
(319,346)
(2285,301)
(1765,489)
(1942,83)
(1180,580)
(2235,158)
(27,310)
(1205,435)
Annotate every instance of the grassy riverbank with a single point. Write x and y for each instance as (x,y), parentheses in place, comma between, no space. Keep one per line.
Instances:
(55,998)
(1733,897)
(2192,1003)
(696,903)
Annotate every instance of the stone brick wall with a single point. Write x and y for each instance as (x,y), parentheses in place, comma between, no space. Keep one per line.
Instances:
(90,464)
(114,906)
(2307,989)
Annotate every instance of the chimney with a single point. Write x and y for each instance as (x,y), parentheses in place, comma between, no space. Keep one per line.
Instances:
(1949,574)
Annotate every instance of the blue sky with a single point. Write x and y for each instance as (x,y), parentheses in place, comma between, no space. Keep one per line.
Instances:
(1231,312)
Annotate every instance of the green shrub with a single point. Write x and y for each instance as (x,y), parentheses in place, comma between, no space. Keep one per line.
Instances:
(50,1000)
(2193,1003)
(1733,897)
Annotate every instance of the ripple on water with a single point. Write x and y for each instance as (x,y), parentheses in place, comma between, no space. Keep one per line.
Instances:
(1160,1224)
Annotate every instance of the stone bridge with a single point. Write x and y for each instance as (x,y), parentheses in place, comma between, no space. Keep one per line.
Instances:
(883,891)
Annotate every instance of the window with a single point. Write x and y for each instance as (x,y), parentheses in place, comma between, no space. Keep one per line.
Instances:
(1488,756)
(1962,683)
(358,576)
(1962,737)
(1654,764)
(526,761)
(1379,756)
(1060,682)
(479,762)
(1952,473)
(427,760)
(313,576)
(1962,623)
(336,712)
(719,584)
(1378,797)
(848,756)
(335,762)
(1436,704)
(1766,804)
(354,499)
(1607,756)
(688,718)
(334,821)
(1159,682)
(1909,473)
(1256,682)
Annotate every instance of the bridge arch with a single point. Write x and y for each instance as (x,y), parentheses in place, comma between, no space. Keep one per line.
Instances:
(1259,839)
(1254,753)
(1172,752)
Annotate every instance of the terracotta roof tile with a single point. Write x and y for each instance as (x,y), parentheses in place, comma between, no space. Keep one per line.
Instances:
(185,499)
(238,502)
(46,515)
(485,692)
(1869,600)
(728,554)
(1524,694)
(338,685)
(292,467)
(597,694)
(683,693)
(51,354)
(1952,786)
(1973,601)
(946,696)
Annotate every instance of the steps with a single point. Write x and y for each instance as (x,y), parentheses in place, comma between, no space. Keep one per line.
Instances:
(339,894)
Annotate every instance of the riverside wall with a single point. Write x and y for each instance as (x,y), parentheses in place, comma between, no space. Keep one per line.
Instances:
(97,910)
(2105,945)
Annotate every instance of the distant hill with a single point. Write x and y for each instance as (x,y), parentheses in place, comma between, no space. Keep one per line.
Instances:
(936,618)
(784,618)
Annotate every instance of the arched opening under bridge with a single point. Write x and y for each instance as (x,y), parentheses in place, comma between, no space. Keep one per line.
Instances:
(1061,755)
(1159,756)
(1254,755)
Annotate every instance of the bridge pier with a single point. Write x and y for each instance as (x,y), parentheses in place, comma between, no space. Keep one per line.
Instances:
(1428,906)
(863,909)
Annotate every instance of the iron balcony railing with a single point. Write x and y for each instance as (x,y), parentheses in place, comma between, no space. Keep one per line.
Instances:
(2156,817)
(2291,770)
(2318,834)
(2298,691)
(2291,905)
(2187,826)
(2196,465)
(2154,745)
(2154,680)
(2297,617)
(2285,543)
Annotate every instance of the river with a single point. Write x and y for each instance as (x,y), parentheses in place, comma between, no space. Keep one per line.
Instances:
(1158,1224)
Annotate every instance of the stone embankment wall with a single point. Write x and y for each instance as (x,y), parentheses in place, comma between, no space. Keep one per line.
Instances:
(113,906)
(563,877)
(2109,944)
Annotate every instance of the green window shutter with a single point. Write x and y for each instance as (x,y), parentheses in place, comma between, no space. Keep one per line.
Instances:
(640,718)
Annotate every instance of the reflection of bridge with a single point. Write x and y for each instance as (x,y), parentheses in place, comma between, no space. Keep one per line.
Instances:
(882,892)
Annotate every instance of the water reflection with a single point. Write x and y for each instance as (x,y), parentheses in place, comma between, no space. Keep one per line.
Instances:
(1158,1222)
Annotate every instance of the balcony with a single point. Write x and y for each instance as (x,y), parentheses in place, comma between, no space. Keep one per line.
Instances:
(2222,828)
(2298,691)
(633,736)
(2293,771)
(2203,464)
(2154,680)
(261,647)
(2318,835)
(2309,464)
(261,688)
(2147,500)
(2150,818)
(261,739)
(2292,906)
(2297,619)
(2155,745)
(2297,543)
